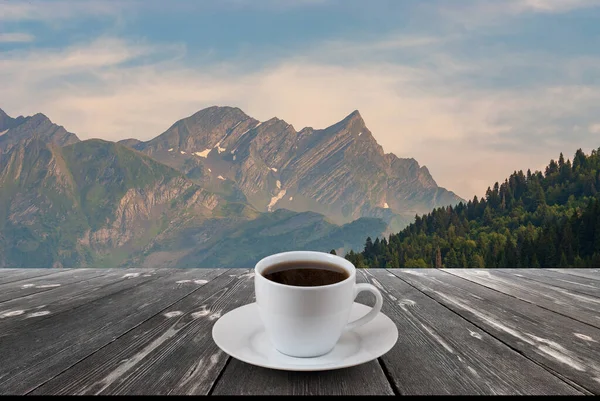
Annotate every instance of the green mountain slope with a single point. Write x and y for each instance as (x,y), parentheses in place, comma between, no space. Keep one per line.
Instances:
(88,204)
(280,231)
(39,215)
(549,219)
(98,203)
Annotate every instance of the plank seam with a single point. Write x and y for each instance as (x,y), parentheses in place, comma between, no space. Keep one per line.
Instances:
(389,377)
(93,300)
(49,289)
(575,275)
(558,286)
(520,299)
(568,382)
(214,385)
(32,278)
(121,335)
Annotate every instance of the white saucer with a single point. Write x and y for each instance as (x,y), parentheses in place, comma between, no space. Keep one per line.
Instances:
(240,333)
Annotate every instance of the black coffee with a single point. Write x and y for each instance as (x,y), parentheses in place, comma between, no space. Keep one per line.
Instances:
(305,274)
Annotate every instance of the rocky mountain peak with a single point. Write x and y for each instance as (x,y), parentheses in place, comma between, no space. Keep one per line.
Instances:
(354,116)
(7,122)
(340,171)
(37,126)
(220,112)
(352,121)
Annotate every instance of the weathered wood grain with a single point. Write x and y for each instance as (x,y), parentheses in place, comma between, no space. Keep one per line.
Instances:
(12,275)
(50,346)
(243,379)
(149,334)
(592,274)
(171,353)
(34,285)
(449,355)
(581,307)
(43,305)
(240,378)
(564,346)
(576,284)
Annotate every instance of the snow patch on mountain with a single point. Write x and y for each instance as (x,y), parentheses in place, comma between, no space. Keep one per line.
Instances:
(275,199)
(204,153)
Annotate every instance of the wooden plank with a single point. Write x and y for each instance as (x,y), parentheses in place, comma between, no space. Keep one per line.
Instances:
(576,284)
(240,378)
(577,306)
(45,304)
(243,379)
(47,347)
(12,275)
(592,274)
(562,345)
(439,352)
(22,288)
(171,353)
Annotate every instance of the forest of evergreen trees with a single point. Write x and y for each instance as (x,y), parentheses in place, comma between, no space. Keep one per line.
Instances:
(549,219)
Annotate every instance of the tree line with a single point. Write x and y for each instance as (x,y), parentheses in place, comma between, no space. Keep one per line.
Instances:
(540,219)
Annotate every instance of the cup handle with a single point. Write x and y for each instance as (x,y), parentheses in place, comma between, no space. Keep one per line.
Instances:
(373,312)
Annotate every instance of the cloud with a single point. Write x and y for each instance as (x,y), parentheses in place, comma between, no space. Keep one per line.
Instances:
(552,6)
(270,4)
(52,10)
(332,50)
(488,14)
(16,37)
(429,107)
(595,128)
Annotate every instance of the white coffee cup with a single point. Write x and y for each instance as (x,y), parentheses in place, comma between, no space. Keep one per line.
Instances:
(309,321)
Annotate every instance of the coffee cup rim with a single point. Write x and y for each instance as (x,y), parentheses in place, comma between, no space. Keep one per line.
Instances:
(267,261)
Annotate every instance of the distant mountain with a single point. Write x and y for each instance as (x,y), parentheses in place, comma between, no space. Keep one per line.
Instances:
(339,171)
(70,203)
(13,130)
(549,219)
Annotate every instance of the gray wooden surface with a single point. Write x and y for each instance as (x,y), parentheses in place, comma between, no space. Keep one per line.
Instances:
(148,331)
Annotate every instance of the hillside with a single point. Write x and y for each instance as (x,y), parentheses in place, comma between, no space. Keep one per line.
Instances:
(87,204)
(549,219)
(231,242)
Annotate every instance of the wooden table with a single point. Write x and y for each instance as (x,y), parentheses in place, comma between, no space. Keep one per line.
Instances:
(148,331)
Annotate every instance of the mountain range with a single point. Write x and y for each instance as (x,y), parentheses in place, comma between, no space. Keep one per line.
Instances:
(218,188)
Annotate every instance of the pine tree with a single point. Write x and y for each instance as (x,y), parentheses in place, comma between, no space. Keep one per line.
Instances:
(563,260)
(451,259)
(368,252)
(438,258)
(333,252)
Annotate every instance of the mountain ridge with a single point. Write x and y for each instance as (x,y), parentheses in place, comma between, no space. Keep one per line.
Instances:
(218,187)
(12,130)
(264,159)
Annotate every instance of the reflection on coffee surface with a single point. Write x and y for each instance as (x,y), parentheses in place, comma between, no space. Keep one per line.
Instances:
(305,273)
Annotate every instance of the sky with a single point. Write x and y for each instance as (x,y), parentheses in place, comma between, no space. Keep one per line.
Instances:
(472,89)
